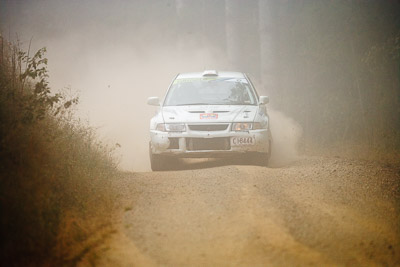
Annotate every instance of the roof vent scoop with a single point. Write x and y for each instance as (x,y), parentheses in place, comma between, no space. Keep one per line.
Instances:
(208,73)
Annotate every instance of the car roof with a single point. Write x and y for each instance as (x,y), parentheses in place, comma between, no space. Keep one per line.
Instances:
(221,74)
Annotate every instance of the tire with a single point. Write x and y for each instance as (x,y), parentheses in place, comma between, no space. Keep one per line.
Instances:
(263,158)
(157,162)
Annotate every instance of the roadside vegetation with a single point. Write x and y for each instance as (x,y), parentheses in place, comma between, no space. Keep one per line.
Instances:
(53,172)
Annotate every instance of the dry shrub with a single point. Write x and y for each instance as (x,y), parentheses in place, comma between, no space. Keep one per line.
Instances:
(51,166)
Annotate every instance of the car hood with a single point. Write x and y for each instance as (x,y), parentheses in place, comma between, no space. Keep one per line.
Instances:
(209,113)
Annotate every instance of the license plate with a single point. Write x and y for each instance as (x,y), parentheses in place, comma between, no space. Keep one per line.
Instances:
(208,116)
(242,141)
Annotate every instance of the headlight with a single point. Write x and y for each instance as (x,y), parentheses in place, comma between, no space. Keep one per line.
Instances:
(242,126)
(258,125)
(261,125)
(171,127)
(160,127)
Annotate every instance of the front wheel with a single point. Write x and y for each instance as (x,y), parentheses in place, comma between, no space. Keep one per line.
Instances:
(263,158)
(157,162)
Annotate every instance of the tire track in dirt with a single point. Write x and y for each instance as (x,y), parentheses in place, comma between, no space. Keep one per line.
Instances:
(319,211)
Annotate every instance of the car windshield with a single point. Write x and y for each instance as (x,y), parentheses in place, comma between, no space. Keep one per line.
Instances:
(210,91)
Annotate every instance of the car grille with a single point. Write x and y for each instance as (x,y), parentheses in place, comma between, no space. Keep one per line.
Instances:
(208,127)
(219,143)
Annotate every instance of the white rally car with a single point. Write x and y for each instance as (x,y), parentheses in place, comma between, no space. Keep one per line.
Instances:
(209,114)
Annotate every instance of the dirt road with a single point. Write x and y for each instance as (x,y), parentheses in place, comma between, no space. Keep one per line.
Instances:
(318,211)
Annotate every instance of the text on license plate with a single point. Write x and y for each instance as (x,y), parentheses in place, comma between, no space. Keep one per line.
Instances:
(239,141)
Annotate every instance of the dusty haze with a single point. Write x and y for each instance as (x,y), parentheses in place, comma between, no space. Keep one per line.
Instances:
(321,77)
(115,68)
(331,69)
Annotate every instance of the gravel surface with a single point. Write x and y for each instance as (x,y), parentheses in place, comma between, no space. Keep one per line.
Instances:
(318,211)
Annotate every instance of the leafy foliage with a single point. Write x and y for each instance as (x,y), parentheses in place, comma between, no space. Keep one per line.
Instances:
(50,164)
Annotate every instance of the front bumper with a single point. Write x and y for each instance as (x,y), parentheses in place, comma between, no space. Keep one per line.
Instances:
(208,144)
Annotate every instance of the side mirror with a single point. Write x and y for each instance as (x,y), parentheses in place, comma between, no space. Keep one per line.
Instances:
(264,100)
(153,101)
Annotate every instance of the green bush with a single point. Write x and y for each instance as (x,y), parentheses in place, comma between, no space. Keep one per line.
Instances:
(51,166)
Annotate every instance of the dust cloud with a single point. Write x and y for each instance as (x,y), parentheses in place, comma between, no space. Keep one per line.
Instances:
(116,57)
(286,134)
(115,80)
(114,83)
(115,102)
(115,99)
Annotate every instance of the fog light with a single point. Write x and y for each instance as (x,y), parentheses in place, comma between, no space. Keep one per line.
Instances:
(173,127)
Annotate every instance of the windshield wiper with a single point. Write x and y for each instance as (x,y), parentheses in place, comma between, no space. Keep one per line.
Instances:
(193,104)
(215,104)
